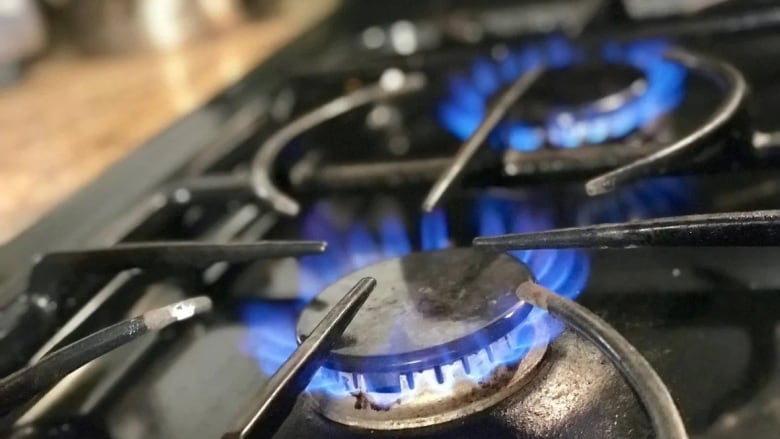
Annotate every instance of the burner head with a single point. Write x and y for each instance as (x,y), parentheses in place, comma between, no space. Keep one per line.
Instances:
(443,323)
(427,309)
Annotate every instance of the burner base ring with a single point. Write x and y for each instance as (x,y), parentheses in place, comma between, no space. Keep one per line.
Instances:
(425,406)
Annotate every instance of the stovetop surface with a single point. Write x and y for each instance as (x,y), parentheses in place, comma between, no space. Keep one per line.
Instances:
(705,318)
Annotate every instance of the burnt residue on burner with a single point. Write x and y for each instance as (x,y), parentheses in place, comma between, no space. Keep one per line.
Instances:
(345,341)
(575,393)
(498,379)
(428,404)
(364,401)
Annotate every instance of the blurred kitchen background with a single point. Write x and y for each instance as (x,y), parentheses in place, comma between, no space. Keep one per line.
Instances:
(84,82)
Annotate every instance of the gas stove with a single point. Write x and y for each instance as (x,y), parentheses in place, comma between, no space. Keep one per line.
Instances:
(327,205)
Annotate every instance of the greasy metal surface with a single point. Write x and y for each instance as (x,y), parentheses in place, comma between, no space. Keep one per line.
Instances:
(575,393)
(24,384)
(109,369)
(758,228)
(51,284)
(644,380)
(759,417)
(173,255)
(193,389)
(428,307)
(520,168)
(428,404)
(554,164)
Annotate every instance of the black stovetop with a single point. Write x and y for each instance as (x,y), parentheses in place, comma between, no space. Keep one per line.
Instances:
(704,317)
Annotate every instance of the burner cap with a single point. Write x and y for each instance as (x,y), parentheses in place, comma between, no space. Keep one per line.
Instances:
(442,336)
(426,310)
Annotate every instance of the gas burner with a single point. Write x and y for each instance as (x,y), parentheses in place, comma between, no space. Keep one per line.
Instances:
(442,335)
(632,86)
(355,241)
(380,231)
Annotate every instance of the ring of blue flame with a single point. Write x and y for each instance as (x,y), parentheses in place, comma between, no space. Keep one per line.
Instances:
(272,333)
(464,107)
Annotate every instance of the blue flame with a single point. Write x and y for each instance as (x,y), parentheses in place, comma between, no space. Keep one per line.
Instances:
(361,246)
(395,242)
(486,76)
(434,232)
(317,271)
(563,271)
(271,325)
(271,338)
(469,95)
